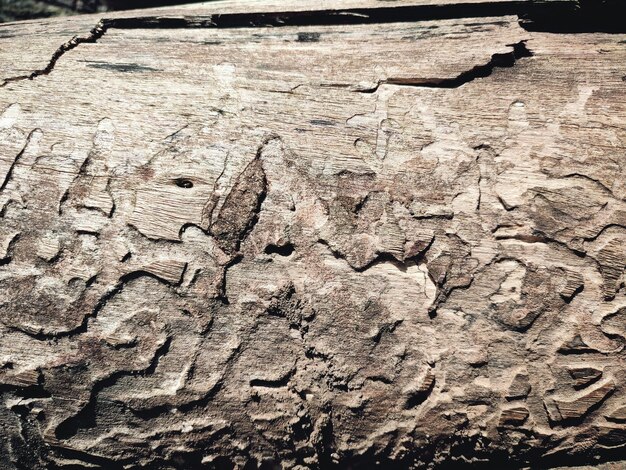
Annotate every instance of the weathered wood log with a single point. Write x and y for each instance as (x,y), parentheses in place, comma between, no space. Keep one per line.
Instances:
(245,235)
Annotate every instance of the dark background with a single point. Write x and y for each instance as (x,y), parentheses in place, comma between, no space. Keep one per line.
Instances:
(14,10)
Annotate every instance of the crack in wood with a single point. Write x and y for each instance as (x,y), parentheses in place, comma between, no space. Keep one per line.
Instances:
(96,33)
(16,160)
(502,60)
(538,15)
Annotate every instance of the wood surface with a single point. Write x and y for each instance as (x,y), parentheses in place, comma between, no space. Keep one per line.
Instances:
(271,234)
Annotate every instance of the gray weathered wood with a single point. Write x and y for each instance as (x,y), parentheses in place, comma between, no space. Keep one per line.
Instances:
(334,243)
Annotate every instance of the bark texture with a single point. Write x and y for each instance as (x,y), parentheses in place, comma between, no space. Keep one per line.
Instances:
(373,233)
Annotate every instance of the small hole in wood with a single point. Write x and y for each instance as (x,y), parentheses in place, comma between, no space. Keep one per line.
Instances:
(282,250)
(184,183)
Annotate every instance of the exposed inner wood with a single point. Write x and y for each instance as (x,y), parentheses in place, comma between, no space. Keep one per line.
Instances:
(333,242)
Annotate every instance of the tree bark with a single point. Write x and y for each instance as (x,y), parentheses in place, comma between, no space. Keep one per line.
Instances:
(256,235)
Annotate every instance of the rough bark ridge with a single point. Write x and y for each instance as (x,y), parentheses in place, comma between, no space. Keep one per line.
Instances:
(345,238)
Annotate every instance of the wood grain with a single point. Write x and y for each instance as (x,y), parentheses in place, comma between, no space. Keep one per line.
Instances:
(309,245)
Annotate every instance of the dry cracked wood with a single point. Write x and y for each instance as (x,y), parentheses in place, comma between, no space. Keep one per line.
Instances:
(335,240)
